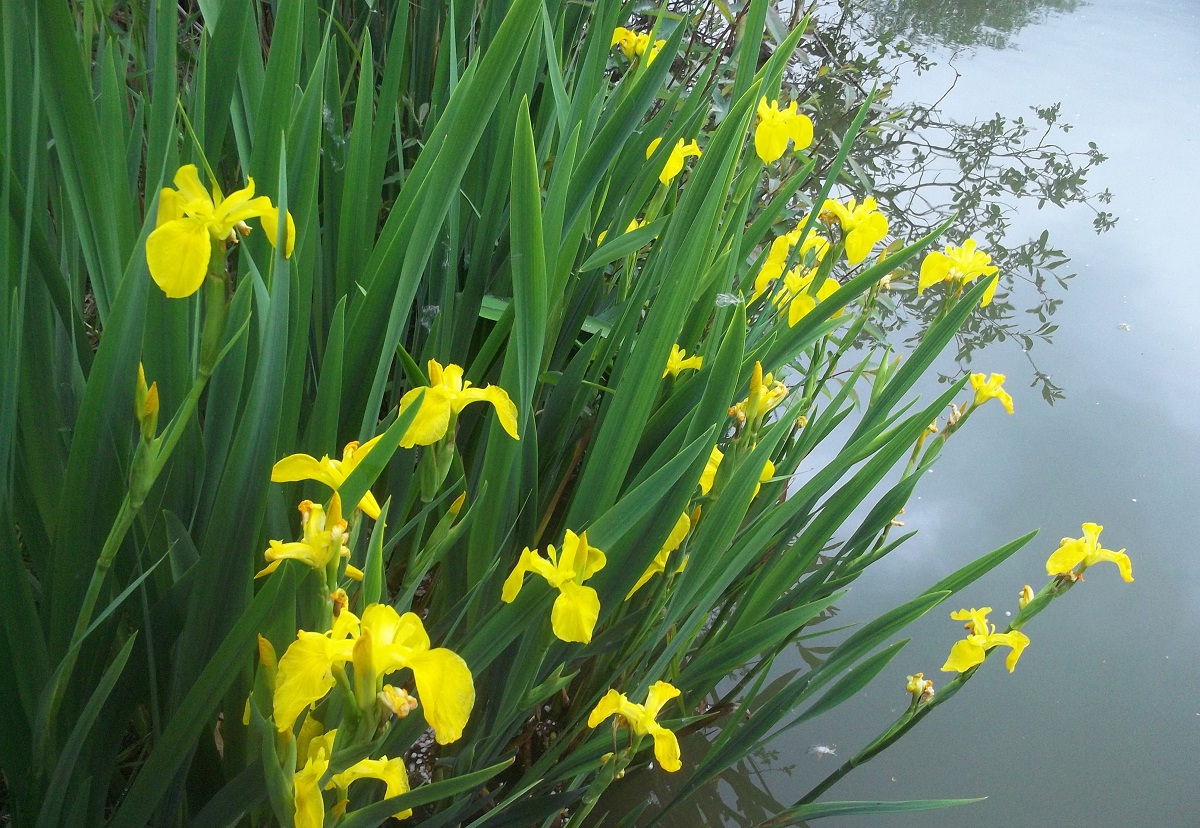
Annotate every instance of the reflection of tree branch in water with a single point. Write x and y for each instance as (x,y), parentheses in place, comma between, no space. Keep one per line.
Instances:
(920,164)
(923,166)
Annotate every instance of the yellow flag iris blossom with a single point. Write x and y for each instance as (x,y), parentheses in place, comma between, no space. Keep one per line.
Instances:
(381,643)
(310,806)
(778,126)
(332,473)
(635,44)
(577,607)
(324,540)
(960,265)
(389,771)
(709,475)
(306,786)
(679,361)
(981,637)
(1087,551)
(629,228)
(659,564)
(781,248)
(991,387)
(863,226)
(798,296)
(641,720)
(674,164)
(446,395)
(190,221)
(765,393)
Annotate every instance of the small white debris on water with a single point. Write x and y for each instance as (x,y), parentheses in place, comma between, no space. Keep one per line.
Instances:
(1008,614)
(821,751)
(1124,326)
(725,300)
(1134,499)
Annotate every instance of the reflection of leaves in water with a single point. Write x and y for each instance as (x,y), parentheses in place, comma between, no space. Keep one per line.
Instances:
(739,796)
(956,23)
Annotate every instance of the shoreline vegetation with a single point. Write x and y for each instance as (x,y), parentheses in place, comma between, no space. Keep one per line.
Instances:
(406,412)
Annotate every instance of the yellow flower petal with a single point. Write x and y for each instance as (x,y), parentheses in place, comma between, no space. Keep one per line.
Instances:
(666,749)
(575,612)
(613,703)
(306,674)
(296,467)
(446,691)
(177,253)
(431,422)
(390,771)
(964,655)
(270,225)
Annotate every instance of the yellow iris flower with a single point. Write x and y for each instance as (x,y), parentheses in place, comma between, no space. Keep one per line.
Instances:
(765,393)
(381,643)
(635,43)
(390,771)
(324,539)
(778,126)
(781,249)
(679,361)
(674,164)
(577,607)
(641,720)
(332,473)
(981,637)
(629,228)
(863,226)
(446,395)
(659,564)
(709,475)
(310,807)
(991,387)
(1087,551)
(960,265)
(796,293)
(190,220)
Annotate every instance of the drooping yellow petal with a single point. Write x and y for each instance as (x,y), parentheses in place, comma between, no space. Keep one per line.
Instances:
(666,749)
(310,806)
(506,409)
(446,691)
(575,612)
(1120,559)
(306,674)
(270,225)
(390,771)
(935,268)
(1070,553)
(432,421)
(512,584)
(296,467)
(177,254)
(964,655)
(1015,639)
(709,475)
(613,703)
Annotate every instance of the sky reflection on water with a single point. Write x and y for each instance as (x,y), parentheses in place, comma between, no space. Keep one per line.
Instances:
(1100,724)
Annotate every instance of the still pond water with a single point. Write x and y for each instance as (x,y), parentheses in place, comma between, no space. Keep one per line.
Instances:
(1100,723)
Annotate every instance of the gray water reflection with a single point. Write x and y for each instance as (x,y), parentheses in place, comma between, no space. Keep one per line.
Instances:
(938,22)
(1100,723)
